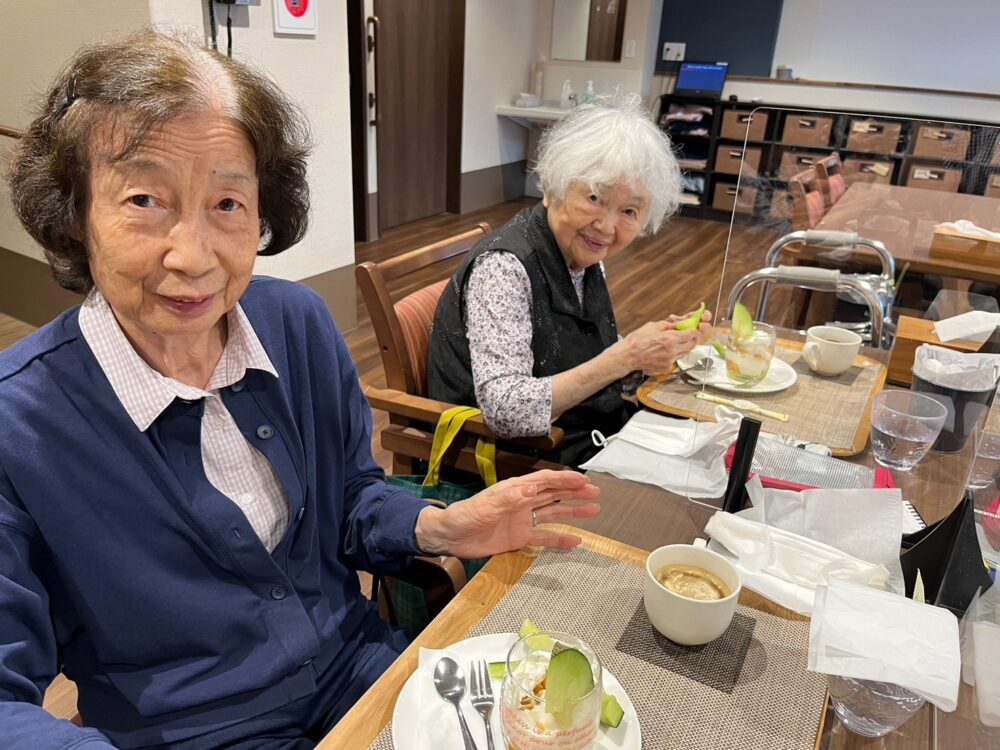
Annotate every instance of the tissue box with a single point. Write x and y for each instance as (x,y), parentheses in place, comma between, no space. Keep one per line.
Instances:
(912,333)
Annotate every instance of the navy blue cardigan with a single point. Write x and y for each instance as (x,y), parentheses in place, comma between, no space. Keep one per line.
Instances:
(122,565)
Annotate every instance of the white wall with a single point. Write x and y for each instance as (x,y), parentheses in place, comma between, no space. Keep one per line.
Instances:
(922,43)
(499,53)
(37,38)
(917,43)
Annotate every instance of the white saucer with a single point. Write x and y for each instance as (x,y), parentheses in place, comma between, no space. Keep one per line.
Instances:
(780,376)
(413,729)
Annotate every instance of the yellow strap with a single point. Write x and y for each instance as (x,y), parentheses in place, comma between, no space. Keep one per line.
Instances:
(486,452)
(448,426)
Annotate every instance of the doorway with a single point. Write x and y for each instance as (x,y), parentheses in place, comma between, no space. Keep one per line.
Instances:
(414,109)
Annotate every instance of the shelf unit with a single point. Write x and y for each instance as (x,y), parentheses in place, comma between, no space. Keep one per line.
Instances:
(887,147)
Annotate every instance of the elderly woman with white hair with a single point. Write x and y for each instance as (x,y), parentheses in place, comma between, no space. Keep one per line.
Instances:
(525,330)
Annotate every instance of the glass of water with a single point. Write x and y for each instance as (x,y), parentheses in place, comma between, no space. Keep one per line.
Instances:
(986,468)
(869,708)
(904,426)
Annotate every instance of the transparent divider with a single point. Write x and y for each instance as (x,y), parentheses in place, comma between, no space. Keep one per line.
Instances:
(851,236)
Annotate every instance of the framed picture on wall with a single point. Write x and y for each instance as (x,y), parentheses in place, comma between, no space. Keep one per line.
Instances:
(295,17)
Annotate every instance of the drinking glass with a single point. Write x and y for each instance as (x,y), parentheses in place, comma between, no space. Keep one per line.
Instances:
(869,708)
(526,722)
(986,467)
(749,358)
(904,426)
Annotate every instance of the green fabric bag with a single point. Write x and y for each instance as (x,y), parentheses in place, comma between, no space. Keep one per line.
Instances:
(408,601)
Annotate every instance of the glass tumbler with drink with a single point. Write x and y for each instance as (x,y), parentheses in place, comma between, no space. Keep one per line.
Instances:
(870,708)
(551,694)
(904,426)
(986,468)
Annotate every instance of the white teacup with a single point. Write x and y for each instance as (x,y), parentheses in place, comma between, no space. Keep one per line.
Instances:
(689,622)
(830,350)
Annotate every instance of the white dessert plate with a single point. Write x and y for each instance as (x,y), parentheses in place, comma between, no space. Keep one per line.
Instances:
(436,726)
(780,376)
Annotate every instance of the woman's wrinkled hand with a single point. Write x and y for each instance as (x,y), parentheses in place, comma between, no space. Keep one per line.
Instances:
(504,517)
(657,345)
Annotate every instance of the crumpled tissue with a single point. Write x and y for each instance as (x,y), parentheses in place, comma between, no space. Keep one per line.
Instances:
(790,542)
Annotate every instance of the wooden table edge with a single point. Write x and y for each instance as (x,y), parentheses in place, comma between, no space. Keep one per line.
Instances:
(373,711)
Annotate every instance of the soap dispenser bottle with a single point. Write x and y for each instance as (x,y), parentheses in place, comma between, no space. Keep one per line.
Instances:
(568,99)
(589,97)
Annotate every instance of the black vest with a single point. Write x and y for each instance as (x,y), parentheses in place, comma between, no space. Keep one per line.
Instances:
(564,333)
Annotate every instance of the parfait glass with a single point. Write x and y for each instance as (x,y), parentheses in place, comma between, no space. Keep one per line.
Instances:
(525,718)
(748,358)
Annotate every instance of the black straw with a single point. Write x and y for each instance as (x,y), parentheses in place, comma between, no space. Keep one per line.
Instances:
(739,473)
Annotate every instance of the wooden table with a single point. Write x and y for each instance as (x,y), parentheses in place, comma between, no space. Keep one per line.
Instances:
(636,518)
(904,219)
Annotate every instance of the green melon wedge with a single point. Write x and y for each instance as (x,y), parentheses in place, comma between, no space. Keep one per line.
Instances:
(568,679)
(692,320)
(742,322)
(537,642)
(611,711)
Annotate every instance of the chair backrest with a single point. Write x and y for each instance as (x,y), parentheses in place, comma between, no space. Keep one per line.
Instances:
(830,171)
(403,329)
(808,205)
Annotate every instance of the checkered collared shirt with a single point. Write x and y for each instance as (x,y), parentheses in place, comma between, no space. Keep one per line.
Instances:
(232,465)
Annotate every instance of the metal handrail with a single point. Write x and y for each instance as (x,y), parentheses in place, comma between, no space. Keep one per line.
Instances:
(831,241)
(809,277)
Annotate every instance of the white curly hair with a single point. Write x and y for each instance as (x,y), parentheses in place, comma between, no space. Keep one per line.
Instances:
(611,143)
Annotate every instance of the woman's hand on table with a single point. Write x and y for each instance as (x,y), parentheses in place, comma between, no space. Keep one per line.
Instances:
(504,517)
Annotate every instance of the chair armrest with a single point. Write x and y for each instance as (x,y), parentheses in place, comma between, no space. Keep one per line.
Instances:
(429,410)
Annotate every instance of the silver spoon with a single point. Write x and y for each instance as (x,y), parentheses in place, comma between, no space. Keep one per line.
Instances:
(450,683)
(704,365)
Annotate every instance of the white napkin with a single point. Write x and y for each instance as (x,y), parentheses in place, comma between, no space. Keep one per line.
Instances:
(951,369)
(860,632)
(967,227)
(786,567)
(438,729)
(803,539)
(980,631)
(680,455)
(966,325)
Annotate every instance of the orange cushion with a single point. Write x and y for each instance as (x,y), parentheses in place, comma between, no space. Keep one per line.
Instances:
(814,207)
(416,314)
(837,187)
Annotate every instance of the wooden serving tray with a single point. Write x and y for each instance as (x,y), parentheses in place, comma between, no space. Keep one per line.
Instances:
(834,411)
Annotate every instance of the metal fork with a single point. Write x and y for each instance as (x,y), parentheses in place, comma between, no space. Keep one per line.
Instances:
(481,695)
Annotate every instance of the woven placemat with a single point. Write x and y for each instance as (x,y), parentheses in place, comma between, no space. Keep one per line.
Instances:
(827,410)
(770,703)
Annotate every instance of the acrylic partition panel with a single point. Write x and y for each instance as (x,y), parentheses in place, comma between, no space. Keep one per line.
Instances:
(870,229)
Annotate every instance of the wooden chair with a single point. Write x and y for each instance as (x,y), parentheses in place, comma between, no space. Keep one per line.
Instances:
(402,330)
(830,172)
(808,203)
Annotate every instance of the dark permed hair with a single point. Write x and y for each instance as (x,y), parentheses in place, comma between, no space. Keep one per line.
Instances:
(128,89)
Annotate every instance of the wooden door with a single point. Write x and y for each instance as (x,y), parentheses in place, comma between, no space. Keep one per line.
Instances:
(417,94)
(604,35)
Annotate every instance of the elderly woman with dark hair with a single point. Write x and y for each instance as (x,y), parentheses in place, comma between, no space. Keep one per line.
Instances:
(186,481)
(525,329)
